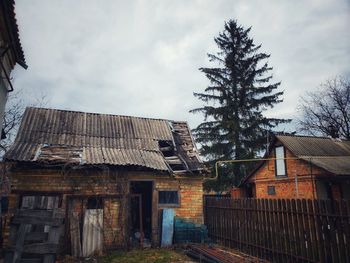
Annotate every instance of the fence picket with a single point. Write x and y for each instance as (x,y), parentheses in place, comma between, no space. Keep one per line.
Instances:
(306,229)
(287,229)
(313,235)
(292,238)
(345,212)
(300,229)
(331,218)
(339,232)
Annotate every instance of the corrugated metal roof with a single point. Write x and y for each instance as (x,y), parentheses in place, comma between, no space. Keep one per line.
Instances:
(67,126)
(315,146)
(332,155)
(339,165)
(49,135)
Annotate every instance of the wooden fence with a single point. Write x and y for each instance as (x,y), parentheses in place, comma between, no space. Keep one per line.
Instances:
(283,230)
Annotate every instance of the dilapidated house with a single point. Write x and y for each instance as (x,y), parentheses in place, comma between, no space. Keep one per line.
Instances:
(112,175)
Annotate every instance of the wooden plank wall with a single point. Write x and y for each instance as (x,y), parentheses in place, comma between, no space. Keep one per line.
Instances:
(282,230)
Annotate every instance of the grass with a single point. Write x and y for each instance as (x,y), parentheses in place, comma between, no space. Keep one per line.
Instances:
(146,256)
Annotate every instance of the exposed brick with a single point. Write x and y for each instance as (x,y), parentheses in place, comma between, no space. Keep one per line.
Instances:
(299,182)
(87,183)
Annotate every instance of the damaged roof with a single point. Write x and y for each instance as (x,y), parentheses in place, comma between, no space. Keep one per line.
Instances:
(53,136)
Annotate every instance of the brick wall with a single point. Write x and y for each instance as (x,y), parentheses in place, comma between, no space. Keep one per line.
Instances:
(298,183)
(191,194)
(80,185)
(191,197)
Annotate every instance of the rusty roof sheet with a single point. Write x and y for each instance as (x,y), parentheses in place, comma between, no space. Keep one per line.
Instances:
(49,135)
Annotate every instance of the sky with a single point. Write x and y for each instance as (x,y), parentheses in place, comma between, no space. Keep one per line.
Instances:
(141,58)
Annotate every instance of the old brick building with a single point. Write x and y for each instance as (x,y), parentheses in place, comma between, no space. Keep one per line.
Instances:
(300,167)
(117,172)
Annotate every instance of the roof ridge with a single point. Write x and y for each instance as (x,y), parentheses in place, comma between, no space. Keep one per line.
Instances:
(104,114)
(307,136)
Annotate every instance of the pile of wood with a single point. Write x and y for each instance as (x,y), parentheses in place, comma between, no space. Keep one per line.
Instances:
(209,254)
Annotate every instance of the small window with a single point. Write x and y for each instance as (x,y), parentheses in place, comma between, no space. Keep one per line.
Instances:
(4,204)
(168,197)
(280,162)
(94,203)
(271,190)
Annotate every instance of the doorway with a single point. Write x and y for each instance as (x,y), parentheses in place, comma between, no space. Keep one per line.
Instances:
(141,212)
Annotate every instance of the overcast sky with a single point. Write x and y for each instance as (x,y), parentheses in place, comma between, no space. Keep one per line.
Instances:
(141,58)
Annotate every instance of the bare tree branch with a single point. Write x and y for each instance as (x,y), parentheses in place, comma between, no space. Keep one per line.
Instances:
(327,111)
(13,115)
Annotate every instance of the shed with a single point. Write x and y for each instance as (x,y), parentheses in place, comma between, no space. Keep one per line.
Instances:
(111,174)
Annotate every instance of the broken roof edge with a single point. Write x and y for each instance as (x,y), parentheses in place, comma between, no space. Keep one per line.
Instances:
(192,140)
(112,167)
(77,165)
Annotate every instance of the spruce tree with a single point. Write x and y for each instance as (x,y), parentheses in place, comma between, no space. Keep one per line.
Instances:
(240,90)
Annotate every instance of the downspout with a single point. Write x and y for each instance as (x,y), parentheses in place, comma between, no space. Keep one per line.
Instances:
(296,184)
(313,181)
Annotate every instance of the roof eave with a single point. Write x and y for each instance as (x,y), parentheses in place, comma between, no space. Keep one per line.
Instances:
(13,32)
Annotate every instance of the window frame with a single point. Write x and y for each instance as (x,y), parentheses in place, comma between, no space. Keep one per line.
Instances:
(271,190)
(169,204)
(284,161)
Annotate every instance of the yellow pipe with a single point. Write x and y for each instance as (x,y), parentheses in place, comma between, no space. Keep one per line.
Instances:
(261,159)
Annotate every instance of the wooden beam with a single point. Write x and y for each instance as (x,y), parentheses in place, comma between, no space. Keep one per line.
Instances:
(37,221)
(41,248)
(36,236)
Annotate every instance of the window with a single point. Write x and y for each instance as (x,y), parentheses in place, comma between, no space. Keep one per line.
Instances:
(280,165)
(94,203)
(168,198)
(271,190)
(4,204)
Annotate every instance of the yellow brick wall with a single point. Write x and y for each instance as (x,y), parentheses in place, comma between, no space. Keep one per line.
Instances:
(89,183)
(191,197)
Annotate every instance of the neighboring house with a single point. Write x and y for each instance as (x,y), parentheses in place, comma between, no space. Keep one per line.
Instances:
(127,168)
(10,51)
(313,168)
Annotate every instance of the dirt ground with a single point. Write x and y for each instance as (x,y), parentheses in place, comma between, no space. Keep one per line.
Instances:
(160,255)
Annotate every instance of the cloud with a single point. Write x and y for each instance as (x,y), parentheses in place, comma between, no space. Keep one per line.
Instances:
(142,57)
